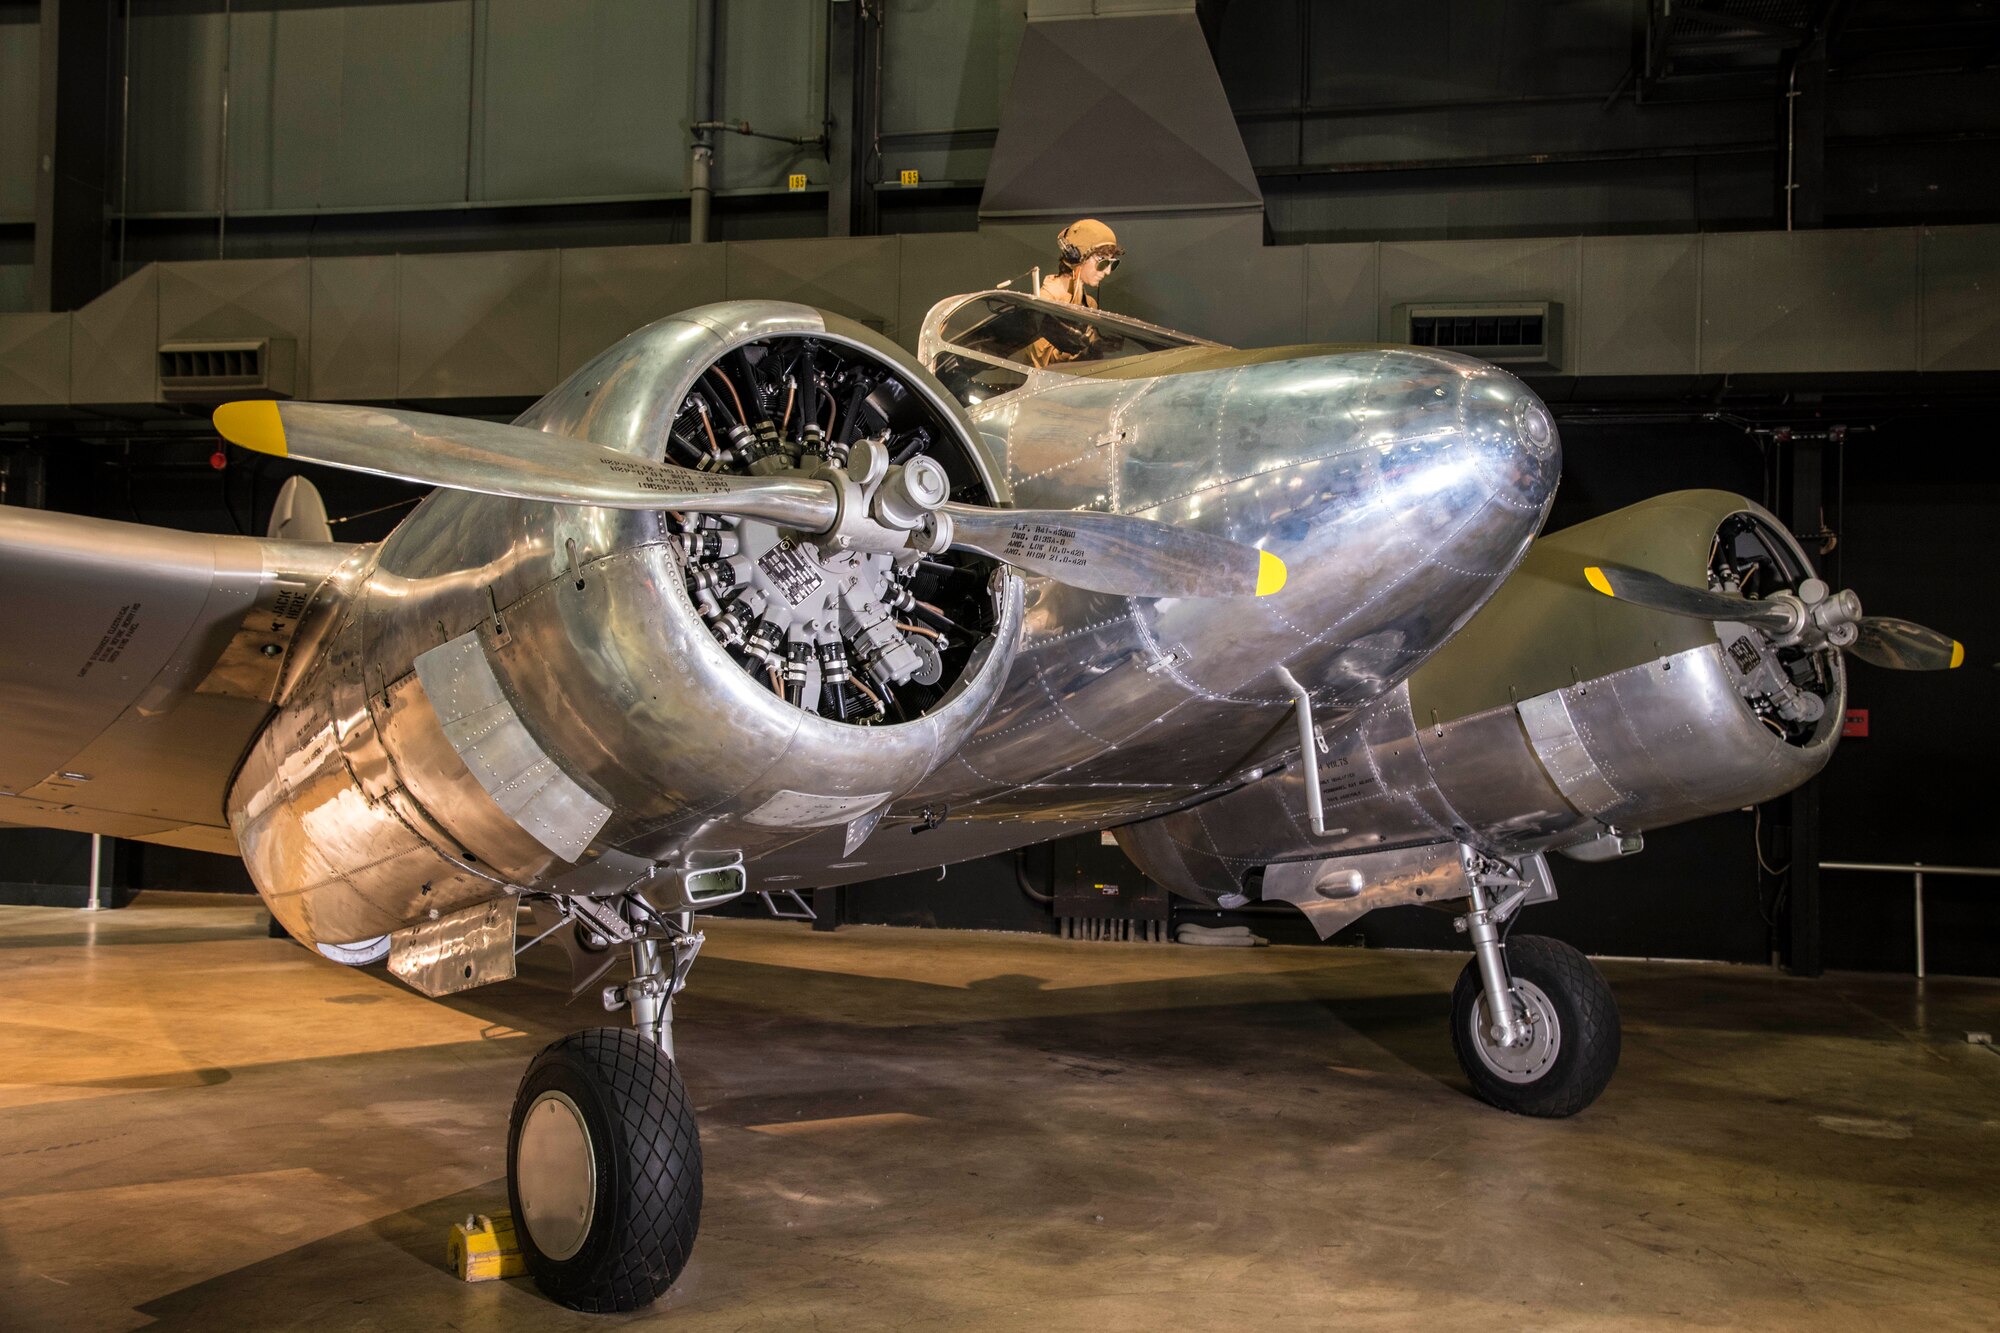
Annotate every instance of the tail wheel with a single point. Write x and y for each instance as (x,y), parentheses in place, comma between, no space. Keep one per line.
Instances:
(1573,1035)
(604,1171)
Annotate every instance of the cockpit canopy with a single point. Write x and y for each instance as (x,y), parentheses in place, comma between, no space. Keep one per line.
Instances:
(993,342)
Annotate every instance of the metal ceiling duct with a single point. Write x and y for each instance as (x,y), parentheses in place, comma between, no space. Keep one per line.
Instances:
(1116,113)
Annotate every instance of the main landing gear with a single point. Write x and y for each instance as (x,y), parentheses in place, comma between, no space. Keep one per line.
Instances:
(603,1155)
(1532,1020)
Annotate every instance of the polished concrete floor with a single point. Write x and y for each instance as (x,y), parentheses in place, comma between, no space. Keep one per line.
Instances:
(204,1128)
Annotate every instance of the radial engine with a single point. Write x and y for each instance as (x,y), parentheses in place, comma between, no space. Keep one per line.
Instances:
(519,696)
(1559,719)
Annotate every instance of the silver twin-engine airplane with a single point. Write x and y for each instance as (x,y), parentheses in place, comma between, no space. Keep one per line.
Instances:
(753,594)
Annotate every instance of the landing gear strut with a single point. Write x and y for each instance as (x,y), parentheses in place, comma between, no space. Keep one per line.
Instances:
(1533,1023)
(603,1154)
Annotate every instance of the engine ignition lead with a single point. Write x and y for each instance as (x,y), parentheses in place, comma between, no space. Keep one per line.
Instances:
(850,414)
(798,656)
(833,681)
(833,661)
(725,574)
(916,442)
(689,450)
(762,642)
(706,545)
(728,629)
(716,455)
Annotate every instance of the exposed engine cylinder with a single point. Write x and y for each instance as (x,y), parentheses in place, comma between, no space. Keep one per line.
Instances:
(514,687)
(849,633)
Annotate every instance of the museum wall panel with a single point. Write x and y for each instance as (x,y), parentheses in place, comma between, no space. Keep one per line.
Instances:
(20,84)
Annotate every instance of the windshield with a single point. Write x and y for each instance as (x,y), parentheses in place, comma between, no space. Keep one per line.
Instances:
(1009,328)
(989,343)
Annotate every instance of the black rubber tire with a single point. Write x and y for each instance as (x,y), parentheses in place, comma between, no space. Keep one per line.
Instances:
(1586,1019)
(648,1151)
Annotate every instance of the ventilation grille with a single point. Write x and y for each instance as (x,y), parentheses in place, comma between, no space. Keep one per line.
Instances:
(1510,331)
(221,369)
(1526,336)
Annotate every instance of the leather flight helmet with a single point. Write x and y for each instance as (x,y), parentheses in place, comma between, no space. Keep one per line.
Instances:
(1084,238)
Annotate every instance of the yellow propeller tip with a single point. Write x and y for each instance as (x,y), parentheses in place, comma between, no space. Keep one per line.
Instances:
(254,424)
(1270,573)
(1957,655)
(1595,577)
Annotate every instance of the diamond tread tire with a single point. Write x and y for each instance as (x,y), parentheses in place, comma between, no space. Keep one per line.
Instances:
(1586,1019)
(642,1135)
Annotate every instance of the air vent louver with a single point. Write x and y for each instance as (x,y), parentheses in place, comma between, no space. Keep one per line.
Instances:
(1523,336)
(214,371)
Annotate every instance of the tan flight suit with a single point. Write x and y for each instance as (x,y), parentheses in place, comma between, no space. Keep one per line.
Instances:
(1068,289)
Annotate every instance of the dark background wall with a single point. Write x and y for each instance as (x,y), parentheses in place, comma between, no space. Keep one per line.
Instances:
(1443,119)
(377,126)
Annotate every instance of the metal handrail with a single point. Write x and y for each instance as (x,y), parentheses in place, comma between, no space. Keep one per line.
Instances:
(1917,870)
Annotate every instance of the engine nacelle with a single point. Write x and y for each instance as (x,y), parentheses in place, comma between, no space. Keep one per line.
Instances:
(1557,719)
(511,689)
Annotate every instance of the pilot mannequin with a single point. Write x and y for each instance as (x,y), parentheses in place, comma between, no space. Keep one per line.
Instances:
(1089,252)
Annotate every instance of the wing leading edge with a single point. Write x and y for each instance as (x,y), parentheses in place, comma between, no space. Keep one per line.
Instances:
(142,662)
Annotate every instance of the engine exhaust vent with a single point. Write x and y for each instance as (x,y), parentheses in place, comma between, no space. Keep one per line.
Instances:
(217,370)
(1524,336)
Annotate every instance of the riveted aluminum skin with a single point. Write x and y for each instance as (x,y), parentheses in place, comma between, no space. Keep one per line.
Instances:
(458,952)
(1336,893)
(1398,485)
(1668,741)
(1377,790)
(1658,741)
(357,812)
(1658,744)
(500,749)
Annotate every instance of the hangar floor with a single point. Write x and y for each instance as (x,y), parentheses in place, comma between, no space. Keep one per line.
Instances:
(204,1128)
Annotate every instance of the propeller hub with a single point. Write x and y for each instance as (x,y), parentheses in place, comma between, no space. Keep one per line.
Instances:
(911,492)
(1820,616)
(881,505)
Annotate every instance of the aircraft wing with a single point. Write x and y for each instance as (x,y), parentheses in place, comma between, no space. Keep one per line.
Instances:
(142,662)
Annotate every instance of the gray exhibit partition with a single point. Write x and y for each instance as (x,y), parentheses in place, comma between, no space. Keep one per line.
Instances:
(507,325)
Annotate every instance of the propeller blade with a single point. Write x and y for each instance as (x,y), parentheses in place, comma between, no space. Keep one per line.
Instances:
(1662,594)
(514,461)
(1902,646)
(1102,552)
(1881,640)
(1116,553)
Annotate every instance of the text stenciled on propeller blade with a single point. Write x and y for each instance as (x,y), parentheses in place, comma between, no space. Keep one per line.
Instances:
(666,477)
(1044,542)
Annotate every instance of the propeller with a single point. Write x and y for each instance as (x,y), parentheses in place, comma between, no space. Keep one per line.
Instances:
(1100,552)
(1812,615)
(1906,647)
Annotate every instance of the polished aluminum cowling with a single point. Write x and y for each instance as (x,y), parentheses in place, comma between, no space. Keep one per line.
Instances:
(512,687)
(1653,730)
(1399,485)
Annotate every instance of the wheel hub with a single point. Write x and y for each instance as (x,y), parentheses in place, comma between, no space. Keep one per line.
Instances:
(555,1174)
(1528,1060)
